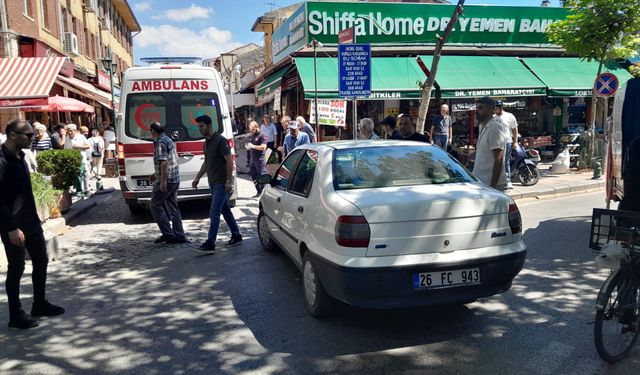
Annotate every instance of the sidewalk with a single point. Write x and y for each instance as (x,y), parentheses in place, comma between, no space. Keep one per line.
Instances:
(551,184)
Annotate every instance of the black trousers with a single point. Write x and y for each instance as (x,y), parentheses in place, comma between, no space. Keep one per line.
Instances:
(37,248)
(164,209)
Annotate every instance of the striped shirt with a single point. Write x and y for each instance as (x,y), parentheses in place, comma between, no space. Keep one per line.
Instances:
(165,149)
(41,144)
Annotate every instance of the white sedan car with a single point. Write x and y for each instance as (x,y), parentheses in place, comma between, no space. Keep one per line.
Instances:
(387,224)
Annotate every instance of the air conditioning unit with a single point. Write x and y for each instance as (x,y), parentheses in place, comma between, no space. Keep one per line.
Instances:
(71,44)
(90,6)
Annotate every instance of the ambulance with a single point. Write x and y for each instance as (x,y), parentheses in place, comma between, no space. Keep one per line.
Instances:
(173,92)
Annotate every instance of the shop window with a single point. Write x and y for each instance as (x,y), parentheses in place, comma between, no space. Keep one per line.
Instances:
(27,7)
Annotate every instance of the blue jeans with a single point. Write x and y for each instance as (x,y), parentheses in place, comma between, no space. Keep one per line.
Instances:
(220,205)
(441,140)
(507,161)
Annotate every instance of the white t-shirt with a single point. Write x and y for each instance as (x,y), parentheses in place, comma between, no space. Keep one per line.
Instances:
(110,139)
(493,136)
(509,119)
(80,139)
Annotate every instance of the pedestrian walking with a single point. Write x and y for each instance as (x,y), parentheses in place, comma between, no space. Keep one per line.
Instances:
(164,198)
(76,141)
(42,141)
(109,137)
(58,137)
(20,228)
(407,130)
(490,148)
(269,129)
(280,133)
(509,120)
(257,146)
(442,130)
(306,128)
(218,165)
(295,137)
(365,130)
(97,153)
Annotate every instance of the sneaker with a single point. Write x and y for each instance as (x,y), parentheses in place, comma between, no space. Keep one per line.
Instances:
(206,248)
(234,241)
(23,321)
(177,240)
(46,309)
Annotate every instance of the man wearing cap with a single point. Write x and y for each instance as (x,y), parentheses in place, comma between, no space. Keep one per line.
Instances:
(509,120)
(489,163)
(295,137)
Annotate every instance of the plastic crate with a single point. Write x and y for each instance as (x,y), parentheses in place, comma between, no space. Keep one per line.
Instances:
(615,226)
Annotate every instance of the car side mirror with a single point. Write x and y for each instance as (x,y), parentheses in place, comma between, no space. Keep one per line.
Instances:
(264,179)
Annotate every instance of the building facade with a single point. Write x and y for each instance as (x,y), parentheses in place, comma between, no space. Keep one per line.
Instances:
(83,32)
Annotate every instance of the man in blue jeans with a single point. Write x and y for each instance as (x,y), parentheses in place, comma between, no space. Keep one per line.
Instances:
(218,166)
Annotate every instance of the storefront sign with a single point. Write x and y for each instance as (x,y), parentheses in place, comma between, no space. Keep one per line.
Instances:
(332,112)
(291,35)
(492,92)
(276,99)
(375,95)
(421,23)
(570,93)
(103,80)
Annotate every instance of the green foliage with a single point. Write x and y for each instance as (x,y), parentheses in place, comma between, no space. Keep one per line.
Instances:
(634,70)
(43,191)
(600,30)
(62,165)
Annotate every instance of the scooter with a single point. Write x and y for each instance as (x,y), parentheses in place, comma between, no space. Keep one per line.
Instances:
(533,155)
(523,170)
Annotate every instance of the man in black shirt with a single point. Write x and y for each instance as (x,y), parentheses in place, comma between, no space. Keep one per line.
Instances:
(20,228)
(218,165)
(407,131)
(257,145)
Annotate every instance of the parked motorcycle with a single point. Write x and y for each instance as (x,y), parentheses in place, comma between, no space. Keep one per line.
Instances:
(533,155)
(523,169)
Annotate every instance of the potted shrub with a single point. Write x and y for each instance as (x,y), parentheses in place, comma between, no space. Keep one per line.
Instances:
(64,167)
(45,196)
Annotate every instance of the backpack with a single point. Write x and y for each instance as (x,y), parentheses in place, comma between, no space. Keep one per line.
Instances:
(96,150)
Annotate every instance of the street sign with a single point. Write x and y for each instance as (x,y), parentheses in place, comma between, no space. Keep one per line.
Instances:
(606,84)
(354,61)
(346,36)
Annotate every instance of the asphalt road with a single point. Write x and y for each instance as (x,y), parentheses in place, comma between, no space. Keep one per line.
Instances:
(138,308)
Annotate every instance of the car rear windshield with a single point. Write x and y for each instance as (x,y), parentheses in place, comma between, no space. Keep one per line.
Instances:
(376,167)
(177,111)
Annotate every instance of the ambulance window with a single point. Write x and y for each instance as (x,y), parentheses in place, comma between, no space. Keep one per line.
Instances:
(193,105)
(143,110)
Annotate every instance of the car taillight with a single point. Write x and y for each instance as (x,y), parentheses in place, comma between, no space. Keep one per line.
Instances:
(515,220)
(352,231)
(121,170)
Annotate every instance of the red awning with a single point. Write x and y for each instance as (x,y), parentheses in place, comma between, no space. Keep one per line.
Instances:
(28,77)
(57,104)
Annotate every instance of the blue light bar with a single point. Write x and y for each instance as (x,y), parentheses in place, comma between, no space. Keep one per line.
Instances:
(171,60)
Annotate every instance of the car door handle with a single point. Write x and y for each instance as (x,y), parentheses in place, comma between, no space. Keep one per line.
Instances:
(278,199)
(300,209)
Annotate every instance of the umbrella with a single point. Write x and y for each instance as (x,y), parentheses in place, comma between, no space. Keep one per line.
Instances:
(58,104)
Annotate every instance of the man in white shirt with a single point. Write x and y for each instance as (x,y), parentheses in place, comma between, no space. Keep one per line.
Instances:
(512,126)
(269,129)
(77,141)
(489,163)
(109,137)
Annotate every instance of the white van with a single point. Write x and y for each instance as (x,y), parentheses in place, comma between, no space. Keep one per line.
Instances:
(173,92)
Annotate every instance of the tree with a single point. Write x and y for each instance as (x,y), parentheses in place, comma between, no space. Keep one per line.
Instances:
(427,87)
(598,30)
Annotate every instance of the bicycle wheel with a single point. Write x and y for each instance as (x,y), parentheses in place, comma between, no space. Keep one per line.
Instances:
(617,316)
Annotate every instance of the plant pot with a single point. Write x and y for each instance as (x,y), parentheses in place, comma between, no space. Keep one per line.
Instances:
(43,212)
(64,204)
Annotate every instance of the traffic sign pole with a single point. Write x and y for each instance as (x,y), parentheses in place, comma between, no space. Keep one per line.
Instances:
(355,76)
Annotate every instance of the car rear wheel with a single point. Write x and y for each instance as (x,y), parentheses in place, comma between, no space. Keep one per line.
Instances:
(264,234)
(318,302)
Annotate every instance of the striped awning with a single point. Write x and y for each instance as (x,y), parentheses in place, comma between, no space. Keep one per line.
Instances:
(28,77)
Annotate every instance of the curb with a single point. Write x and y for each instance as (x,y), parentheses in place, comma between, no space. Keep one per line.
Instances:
(562,189)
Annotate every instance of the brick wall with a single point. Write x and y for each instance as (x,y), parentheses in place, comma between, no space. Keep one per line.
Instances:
(20,22)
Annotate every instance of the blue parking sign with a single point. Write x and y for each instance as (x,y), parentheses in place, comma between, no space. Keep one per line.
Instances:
(355,70)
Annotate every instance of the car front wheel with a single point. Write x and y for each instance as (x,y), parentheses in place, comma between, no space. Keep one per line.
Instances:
(318,302)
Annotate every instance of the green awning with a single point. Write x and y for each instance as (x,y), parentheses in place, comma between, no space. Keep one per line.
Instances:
(569,76)
(478,76)
(391,77)
(273,81)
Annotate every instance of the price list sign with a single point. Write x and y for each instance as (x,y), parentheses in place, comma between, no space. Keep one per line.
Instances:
(355,70)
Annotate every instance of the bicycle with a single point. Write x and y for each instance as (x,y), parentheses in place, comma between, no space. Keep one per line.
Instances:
(615,235)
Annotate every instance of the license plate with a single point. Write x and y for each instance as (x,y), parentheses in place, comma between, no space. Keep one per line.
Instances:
(145,183)
(446,279)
